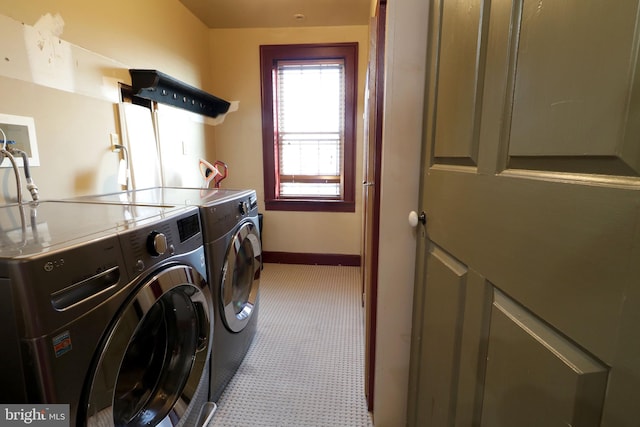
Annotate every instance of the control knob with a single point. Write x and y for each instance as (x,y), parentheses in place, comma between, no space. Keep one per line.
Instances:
(157,243)
(244,208)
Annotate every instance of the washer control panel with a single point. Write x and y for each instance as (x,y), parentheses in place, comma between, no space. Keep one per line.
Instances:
(146,246)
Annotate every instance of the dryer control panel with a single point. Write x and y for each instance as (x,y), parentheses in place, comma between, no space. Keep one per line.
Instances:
(146,246)
(221,218)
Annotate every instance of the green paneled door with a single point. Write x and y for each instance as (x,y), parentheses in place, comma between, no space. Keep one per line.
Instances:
(527,298)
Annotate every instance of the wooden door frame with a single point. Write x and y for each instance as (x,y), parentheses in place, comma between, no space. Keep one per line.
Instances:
(377,115)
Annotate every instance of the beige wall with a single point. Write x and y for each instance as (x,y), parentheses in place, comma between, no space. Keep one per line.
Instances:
(236,76)
(402,140)
(141,33)
(67,81)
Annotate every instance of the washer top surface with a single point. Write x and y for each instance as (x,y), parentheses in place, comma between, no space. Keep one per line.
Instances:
(171,196)
(33,228)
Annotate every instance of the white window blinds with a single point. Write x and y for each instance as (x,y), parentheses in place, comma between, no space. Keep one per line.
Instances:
(310,110)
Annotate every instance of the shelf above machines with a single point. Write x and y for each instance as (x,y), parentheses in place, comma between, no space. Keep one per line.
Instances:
(162,88)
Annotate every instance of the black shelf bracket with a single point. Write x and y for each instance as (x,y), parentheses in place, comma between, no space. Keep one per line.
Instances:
(159,87)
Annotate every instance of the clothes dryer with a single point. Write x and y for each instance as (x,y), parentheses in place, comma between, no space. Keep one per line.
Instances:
(231,233)
(106,308)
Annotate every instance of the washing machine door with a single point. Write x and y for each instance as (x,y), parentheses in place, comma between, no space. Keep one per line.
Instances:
(241,276)
(154,358)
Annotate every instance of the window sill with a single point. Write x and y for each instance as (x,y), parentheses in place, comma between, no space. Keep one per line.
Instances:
(310,205)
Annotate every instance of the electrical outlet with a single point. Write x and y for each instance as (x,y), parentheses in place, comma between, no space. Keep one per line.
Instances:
(115,141)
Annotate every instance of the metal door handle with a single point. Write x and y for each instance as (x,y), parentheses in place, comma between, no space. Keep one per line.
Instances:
(414,218)
(367,184)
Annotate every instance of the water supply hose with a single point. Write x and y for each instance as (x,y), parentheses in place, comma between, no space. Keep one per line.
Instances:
(8,155)
(31,186)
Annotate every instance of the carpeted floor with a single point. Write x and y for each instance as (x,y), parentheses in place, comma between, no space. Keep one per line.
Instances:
(305,367)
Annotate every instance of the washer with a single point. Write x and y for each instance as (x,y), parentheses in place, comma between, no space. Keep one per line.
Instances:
(106,308)
(233,251)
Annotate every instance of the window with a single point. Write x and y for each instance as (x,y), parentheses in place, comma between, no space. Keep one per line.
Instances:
(308,124)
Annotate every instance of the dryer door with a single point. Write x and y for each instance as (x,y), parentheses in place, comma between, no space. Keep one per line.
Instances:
(241,276)
(155,356)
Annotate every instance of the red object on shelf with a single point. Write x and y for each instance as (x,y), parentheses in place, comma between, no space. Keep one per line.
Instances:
(215,172)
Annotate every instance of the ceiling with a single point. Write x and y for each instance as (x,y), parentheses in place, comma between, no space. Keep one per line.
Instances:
(279,13)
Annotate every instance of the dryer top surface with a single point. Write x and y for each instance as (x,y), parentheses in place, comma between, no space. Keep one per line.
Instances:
(171,196)
(31,229)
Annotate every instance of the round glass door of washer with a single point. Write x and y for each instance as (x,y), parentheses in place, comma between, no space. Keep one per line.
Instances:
(156,354)
(241,277)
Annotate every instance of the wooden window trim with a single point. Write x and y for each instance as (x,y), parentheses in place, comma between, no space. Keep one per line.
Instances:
(269,54)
